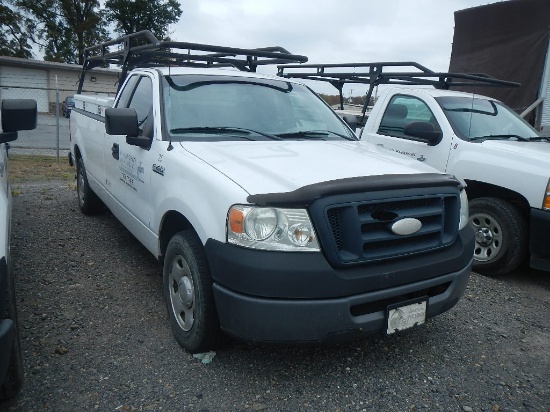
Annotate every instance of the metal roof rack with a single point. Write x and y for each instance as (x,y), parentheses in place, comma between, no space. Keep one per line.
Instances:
(374,74)
(143,49)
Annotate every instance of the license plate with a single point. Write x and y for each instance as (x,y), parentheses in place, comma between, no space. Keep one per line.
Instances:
(400,317)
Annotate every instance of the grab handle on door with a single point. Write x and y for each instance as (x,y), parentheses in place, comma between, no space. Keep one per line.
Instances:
(114,150)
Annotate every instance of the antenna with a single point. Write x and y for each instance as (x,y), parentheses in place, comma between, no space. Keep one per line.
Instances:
(170,147)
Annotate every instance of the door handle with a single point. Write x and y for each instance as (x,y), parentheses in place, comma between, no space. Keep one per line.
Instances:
(114,150)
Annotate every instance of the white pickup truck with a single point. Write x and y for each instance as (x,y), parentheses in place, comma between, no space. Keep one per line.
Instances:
(272,221)
(502,159)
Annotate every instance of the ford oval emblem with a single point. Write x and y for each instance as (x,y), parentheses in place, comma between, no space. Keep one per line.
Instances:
(406,226)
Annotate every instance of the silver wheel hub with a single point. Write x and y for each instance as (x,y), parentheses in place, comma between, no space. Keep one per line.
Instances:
(484,237)
(488,237)
(80,186)
(182,293)
(185,292)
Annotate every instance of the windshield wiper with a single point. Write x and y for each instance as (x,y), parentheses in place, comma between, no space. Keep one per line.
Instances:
(501,137)
(469,110)
(539,138)
(312,134)
(223,130)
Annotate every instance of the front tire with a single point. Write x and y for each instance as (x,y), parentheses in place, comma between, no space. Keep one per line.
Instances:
(500,236)
(88,201)
(14,375)
(188,294)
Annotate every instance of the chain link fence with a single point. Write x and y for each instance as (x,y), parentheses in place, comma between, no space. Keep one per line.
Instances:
(51,136)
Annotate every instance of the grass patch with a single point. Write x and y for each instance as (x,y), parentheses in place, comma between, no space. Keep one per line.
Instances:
(26,168)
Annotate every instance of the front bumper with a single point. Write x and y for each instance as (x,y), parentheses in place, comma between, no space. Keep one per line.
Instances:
(298,297)
(539,249)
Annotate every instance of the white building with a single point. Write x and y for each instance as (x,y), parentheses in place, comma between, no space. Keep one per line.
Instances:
(40,80)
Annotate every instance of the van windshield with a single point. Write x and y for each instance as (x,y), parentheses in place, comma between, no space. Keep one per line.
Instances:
(483,119)
(214,108)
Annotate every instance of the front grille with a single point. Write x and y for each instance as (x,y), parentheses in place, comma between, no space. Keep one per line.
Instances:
(361,231)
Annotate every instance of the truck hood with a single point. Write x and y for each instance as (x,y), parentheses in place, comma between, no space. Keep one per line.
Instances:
(276,167)
(535,151)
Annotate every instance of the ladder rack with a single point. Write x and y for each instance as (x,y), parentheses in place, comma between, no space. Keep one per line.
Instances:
(374,74)
(143,49)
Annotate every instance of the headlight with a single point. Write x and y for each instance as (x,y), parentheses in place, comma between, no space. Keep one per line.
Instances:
(546,200)
(271,229)
(464,211)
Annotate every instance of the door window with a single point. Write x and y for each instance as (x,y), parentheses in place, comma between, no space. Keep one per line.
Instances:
(142,102)
(401,112)
(127,92)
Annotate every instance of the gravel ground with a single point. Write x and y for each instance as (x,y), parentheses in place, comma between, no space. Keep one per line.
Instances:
(95,336)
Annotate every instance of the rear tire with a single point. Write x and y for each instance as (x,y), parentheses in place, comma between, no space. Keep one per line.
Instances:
(88,201)
(188,294)
(500,236)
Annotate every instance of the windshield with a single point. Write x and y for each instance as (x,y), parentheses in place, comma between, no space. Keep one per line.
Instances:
(213,108)
(479,119)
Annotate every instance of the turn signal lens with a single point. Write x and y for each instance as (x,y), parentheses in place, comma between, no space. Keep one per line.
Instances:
(546,200)
(236,219)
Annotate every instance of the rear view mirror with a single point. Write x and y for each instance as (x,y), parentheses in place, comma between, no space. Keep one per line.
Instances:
(424,131)
(351,121)
(17,114)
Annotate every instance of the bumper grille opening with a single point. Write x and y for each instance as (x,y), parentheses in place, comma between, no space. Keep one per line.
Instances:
(381,305)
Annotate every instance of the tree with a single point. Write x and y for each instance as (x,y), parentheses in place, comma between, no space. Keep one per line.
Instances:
(14,40)
(132,16)
(64,28)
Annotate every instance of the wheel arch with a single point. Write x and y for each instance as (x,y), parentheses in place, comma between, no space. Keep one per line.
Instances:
(172,223)
(77,152)
(476,189)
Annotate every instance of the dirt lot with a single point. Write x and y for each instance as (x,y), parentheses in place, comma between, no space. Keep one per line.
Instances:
(95,336)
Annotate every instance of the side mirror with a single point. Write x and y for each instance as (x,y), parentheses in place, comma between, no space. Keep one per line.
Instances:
(424,131)
(17,114)
(121,121)
(351,121)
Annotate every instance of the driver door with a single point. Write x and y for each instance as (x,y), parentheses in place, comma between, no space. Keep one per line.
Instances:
(401,111)
(129,166)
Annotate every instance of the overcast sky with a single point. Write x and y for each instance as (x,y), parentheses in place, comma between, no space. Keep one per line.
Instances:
(329,31)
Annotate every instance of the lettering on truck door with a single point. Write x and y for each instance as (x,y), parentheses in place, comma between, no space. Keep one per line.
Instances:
(402,112)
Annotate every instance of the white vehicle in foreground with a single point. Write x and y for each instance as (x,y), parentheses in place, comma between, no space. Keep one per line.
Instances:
(17,114)
(502,159)
(272,221)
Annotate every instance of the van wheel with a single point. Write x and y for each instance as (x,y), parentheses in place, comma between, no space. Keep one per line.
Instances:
(14,375)
(188,294)
(500,236)
(88,201)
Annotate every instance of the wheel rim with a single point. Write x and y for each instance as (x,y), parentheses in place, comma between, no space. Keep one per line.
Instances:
(182,293)
(488,237)
(80,188)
